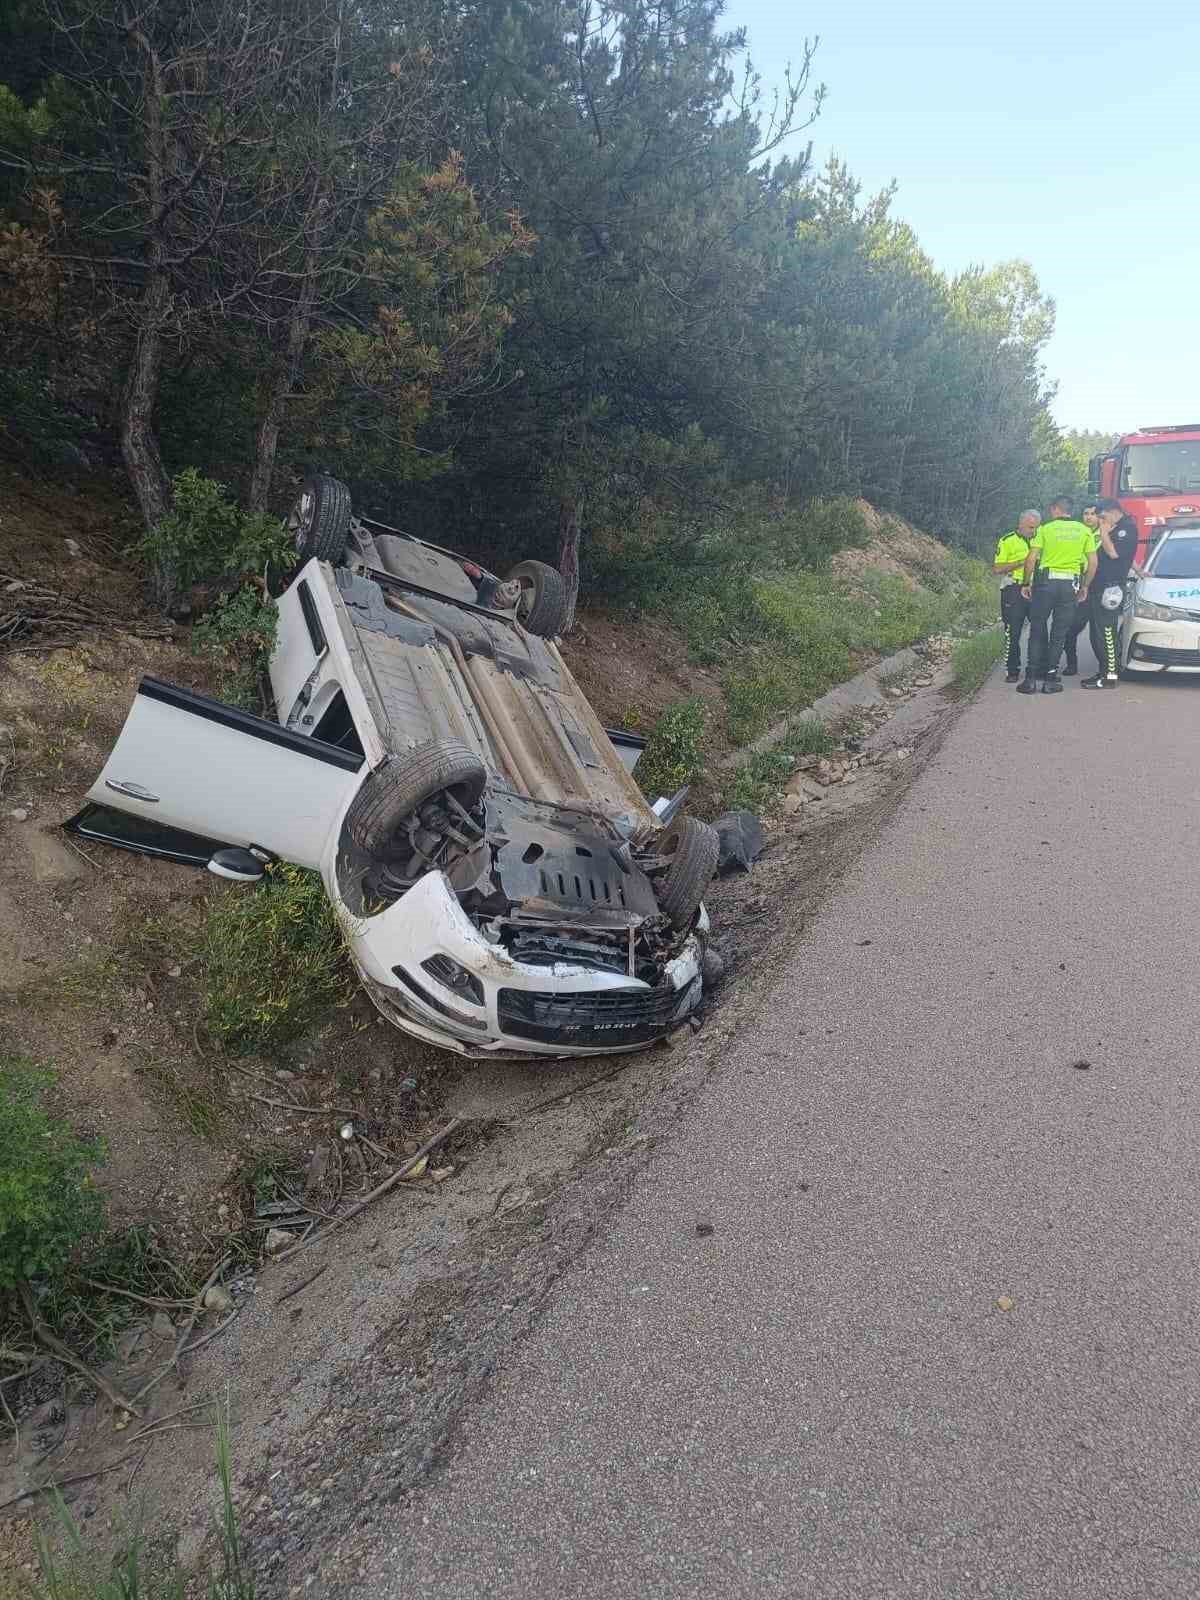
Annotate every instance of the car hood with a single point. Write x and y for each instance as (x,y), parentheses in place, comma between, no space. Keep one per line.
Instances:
(1184,592)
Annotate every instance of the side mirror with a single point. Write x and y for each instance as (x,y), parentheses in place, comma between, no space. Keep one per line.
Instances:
(239,866)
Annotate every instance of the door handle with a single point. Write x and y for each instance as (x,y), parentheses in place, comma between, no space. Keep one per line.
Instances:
(134,791)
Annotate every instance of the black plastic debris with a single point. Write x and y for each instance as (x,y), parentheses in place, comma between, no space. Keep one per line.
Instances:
(741,840)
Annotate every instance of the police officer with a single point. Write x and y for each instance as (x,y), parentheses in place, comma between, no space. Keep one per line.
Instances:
(1011,551)
(1118,546)
(1065,551)
(1083,613)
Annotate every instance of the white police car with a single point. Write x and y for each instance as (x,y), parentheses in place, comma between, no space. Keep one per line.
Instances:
(1160,625)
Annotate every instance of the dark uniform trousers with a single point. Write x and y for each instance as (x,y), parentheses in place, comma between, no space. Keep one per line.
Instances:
(1103,632)
(1081,620)
(1014,613)
(1053,604)
(1105,635)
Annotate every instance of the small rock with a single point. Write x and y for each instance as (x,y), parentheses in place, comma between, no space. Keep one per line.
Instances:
(276,1241)
(1004,1302)
(174,972)
(895,693)
(704,1230)
(19,814)
(222,1211)
(161,1326)
(73,549)
(220,1300)
(713,965)
(793,803)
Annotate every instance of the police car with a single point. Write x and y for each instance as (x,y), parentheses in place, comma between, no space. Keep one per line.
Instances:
(1160,625)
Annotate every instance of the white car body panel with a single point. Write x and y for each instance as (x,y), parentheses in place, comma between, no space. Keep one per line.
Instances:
(1157,644)
(186,770)
(429,921)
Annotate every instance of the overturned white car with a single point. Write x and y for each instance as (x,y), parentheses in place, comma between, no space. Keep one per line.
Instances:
(505,888)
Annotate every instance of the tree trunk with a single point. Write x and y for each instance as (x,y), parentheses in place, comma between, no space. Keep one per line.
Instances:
(570,510)
(282,389)
(139,444)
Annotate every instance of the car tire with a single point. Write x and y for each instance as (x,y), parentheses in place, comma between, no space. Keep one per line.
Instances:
(542,608)
(319,521)
(391,795)
(693,848)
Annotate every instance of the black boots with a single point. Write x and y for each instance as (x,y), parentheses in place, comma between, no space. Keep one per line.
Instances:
(1052,684)
(1027,686)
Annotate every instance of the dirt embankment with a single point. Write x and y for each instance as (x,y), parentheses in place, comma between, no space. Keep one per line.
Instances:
(344,1390)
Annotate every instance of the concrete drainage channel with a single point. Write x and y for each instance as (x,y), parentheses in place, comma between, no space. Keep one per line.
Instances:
(348,1390)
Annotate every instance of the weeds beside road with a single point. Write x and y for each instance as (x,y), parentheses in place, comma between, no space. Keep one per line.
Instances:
(974,657)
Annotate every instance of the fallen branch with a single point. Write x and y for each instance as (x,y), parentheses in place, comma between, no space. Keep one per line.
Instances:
(213,1333)
(64,1483)
(303,1284)
(156,1425)
(57,1348)
(307,1111)
(380,1189)
(186,1332)
(128,1294)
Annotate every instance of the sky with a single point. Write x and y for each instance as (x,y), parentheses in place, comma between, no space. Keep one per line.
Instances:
(1064,133)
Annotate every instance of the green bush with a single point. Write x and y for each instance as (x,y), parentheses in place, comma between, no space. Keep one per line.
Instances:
(757,782)
(810,536)
(756,698)
(239,635)
(674,750)
(272,961)
(974,657)
(47,1203)
(205,535)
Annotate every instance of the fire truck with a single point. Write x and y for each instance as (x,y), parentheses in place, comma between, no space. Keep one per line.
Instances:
(1155,474)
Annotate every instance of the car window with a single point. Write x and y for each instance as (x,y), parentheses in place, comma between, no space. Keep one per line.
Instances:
(336,726)
(149,838)
(1178,558)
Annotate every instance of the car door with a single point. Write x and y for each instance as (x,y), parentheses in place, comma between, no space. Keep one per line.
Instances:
(205,768)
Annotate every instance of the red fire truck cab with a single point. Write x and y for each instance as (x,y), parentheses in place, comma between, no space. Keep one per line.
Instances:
(1155,474)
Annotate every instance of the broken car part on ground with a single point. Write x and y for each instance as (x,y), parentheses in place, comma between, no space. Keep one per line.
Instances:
(505,888)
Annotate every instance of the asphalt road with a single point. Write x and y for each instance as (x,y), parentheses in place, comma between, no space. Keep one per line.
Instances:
(942,1339)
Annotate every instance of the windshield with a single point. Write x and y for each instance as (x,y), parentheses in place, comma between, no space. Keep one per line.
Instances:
(1161,468)
(1178,558)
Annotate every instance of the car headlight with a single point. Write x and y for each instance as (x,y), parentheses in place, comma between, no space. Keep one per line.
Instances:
(1154,613)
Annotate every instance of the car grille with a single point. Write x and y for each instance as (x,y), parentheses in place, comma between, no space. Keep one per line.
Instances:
(1165,657)
(614,1017)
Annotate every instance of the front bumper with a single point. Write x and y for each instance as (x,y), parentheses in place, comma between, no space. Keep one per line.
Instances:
(1152,646)
(527,1011)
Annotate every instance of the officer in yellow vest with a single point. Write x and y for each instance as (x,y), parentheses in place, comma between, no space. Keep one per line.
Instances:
(1066,552)
(1011,551)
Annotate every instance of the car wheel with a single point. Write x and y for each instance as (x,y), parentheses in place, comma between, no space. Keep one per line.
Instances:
(693,848)
(542,608)
(389,797)
(319,522)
